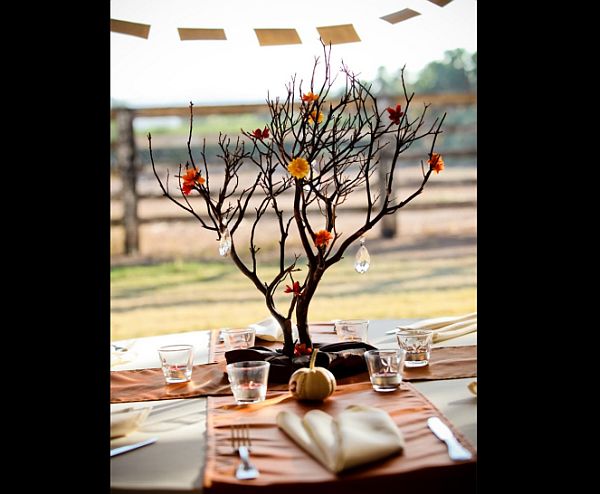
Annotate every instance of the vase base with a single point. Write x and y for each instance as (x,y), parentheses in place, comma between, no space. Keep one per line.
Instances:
(342,359)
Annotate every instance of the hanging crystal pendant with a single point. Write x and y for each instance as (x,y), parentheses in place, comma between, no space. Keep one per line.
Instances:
(225,242)
(362,260)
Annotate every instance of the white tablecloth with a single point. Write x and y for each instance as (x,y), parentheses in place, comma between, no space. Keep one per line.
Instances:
(175,463)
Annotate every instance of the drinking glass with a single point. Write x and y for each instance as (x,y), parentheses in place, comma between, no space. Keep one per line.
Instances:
(417,344)
(248,380)
(238,338)
(385,368)
(352,330)
(177,362)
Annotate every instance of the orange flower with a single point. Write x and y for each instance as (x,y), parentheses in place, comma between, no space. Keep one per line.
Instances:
(395,114)
(322,238)
(299,167)
(309,97)
(436,162)
(313,116)
(191,179)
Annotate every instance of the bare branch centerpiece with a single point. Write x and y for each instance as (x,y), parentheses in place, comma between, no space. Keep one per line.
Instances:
(314,154)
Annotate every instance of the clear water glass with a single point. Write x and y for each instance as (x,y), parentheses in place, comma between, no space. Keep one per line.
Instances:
(417,344)
(385,368)
(248,380)
(177,362)
(235,339)
(352,330)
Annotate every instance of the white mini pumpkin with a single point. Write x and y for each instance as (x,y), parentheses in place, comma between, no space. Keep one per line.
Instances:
(312,383)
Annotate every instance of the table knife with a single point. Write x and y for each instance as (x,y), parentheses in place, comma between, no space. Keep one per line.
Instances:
(442,431)
(131,447)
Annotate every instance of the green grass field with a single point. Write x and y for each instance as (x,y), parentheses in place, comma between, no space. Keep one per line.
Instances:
(185,296)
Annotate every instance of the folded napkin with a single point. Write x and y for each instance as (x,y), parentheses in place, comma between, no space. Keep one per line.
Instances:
(126,421)
(270,330)
(359,435)
(445,328)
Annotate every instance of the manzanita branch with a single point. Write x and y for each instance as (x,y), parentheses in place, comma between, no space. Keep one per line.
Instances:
(311,156)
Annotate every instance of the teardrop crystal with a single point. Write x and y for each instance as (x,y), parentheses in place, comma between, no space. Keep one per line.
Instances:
(362,260)
(225,243)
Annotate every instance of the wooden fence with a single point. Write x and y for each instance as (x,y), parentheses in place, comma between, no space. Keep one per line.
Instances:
(127,158)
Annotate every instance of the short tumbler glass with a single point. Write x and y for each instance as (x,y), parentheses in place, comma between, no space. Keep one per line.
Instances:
(177,362)
(352,330)
(417,344)
(235,339)
(385,368)
(248,380)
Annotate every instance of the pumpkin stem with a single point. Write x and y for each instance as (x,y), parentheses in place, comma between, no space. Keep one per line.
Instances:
(313,358)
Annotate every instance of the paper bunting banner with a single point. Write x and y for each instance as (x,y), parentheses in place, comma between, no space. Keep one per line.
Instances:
(272,37)
(400,16)
(186,34)
(440,3)
(336,35)
(131,28)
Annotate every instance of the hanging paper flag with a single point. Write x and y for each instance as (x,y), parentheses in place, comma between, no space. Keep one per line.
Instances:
(271,37)
(186,34)
(131,28)
(336,35)
(441,3)
(400,16)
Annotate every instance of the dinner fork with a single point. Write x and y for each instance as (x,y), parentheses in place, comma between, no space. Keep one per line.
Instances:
(240,442)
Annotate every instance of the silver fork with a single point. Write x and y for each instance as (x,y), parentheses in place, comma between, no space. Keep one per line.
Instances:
(240,442)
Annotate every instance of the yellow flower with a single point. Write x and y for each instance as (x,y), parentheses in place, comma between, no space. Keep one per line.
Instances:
(299,167)
(313,115)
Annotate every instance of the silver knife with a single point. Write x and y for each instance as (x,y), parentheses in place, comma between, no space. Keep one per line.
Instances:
(441,430)
(131,447)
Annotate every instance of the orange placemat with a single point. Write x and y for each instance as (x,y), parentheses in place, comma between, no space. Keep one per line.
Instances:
(423,467)
(210,379)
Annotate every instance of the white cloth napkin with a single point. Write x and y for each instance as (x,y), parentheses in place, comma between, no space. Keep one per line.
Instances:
(270,330)
(123,422)
(359,435)
(445,328)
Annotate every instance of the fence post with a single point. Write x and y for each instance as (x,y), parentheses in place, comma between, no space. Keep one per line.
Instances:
(388,222)
(126,165)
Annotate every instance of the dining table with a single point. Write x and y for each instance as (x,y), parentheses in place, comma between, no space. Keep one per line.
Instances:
(176,462)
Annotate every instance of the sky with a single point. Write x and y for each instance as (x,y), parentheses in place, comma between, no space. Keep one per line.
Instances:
(162,70)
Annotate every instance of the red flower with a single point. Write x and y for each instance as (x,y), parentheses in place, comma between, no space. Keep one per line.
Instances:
(190,180)
(295,288)
(301,349)
(395,114)
(261,134)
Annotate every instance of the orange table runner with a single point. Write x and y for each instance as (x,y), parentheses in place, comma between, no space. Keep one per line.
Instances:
(423,467)
(211,380)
